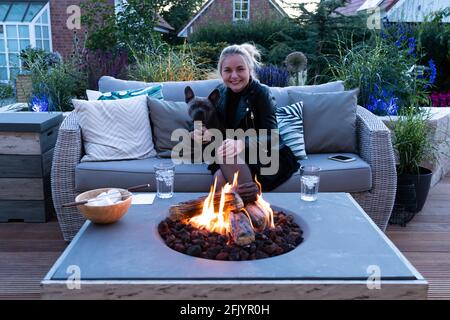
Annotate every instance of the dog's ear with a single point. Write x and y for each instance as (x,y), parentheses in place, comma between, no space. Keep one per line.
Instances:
(214,96)
(188,94)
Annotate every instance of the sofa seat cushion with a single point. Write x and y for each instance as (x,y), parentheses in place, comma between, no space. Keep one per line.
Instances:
(125,174)
(355,176)
(335,177)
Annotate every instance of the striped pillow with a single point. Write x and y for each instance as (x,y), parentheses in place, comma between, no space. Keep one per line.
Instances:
(153,91)
(290,125)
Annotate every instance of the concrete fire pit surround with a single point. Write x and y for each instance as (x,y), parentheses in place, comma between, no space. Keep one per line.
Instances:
(341,257)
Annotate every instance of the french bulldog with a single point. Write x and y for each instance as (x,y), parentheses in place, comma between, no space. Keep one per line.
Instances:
(203,109)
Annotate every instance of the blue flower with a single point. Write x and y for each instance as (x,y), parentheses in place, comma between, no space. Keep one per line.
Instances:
(412,46)
(382,104)
(40,103)
(433,72)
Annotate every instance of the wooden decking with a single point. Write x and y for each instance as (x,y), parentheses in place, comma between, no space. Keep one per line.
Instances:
(27,251)
(425,241)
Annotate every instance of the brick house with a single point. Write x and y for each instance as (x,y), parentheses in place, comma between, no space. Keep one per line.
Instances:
(41,24)
(229,11)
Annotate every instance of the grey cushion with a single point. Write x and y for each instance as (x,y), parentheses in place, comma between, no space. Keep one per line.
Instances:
(167,116)
(335,176)
(172,90)
(281,94)
(355,176)
(329,120)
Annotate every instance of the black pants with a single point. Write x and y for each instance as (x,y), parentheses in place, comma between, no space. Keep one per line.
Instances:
(288,166)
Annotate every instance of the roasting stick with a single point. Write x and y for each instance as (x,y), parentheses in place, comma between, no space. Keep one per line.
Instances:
(73,204)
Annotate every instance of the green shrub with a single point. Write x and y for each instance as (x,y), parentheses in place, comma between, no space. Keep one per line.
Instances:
(60,84)
(166,65)
(39,58)
(268,35)
(206,55)
(433,37)
(6,91)
(412,141)
(379,67)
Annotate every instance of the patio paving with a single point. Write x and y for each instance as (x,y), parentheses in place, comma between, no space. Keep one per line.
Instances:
(27,251)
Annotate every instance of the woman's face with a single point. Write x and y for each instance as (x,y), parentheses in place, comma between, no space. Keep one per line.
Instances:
(235,73)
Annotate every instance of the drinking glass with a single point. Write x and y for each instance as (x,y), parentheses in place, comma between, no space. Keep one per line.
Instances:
(165,176)
(309,183)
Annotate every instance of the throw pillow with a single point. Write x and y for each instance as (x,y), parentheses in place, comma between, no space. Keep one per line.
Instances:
(282,98)
(115,130)
(329,120)
(93,95)
(167,116)
(153,91)
(290,124)
(172,90)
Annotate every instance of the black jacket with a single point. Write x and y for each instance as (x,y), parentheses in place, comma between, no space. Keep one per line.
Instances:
(255,109)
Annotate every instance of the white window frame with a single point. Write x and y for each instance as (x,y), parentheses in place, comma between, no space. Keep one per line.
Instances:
(31,30)
(234,10)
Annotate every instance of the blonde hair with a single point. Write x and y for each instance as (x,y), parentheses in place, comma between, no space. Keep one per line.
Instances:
(248,51)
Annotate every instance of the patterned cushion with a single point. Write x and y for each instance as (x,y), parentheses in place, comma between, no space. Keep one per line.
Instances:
(153,91)
(116,129)
(290,124)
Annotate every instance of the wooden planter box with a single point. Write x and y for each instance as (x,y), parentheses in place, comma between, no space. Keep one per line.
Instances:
(26,151)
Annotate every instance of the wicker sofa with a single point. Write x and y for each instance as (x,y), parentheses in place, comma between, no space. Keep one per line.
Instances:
(371,179)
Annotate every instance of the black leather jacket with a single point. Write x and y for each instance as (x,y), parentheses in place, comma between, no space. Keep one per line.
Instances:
(256,109)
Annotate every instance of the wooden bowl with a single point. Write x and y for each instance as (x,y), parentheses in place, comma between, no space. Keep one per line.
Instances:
(104,214)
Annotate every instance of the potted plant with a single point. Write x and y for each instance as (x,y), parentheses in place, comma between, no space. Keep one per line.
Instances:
(413,145)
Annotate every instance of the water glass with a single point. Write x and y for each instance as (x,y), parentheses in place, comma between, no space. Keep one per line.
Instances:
(165,174)
(309,183)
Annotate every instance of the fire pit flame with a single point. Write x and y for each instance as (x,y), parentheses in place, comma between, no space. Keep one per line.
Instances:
(219,220)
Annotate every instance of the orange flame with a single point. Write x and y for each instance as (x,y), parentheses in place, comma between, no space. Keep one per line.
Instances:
(265,206)
(218,220)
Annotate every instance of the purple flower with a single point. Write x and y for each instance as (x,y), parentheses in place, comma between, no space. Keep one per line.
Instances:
(273,76)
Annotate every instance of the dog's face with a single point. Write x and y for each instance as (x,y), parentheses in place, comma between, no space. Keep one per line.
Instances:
(201,109)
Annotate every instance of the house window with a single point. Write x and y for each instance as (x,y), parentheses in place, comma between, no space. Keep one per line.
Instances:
(22,24)
(241,10)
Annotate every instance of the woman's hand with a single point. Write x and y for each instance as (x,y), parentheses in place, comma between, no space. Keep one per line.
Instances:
(202,135)
(230,148)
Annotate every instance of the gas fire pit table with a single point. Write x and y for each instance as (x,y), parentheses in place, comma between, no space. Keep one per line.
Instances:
(343,256)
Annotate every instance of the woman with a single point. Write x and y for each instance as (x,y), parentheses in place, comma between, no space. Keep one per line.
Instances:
(245,103)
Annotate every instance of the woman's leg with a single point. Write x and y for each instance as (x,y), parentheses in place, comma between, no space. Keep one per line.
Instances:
(220,180)
(246,188)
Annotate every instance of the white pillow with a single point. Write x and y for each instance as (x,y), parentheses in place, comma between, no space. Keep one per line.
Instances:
(93,95)
(115,129)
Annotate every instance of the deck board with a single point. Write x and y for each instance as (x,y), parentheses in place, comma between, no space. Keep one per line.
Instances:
(28,250)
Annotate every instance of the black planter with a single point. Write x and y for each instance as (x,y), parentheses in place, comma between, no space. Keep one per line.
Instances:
(421,183)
